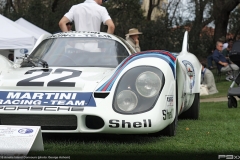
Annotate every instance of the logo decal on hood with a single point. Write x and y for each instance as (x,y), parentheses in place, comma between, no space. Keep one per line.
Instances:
(73,99)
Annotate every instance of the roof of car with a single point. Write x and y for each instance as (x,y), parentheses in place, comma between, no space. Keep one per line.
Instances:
(84,34)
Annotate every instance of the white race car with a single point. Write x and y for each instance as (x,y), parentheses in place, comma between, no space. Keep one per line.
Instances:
(94,82)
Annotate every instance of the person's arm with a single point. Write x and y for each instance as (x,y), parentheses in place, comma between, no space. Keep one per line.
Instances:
(208,78)
(217,60)
(62,24)
(137,47)
(111,26)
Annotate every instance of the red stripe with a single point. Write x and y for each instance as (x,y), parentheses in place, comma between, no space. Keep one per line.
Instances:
(130,57)
(116,73)
(161,51)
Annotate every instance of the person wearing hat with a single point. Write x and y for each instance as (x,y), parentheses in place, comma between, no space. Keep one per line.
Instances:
(132,38)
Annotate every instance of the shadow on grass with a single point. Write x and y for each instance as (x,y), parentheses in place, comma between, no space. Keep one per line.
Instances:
(95,137)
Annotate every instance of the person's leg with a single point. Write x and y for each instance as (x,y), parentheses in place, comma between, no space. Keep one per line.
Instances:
(209,62)
(227,69)
(235,69)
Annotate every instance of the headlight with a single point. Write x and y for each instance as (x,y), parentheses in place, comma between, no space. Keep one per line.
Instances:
(138,90)
(148,84)
(127,100)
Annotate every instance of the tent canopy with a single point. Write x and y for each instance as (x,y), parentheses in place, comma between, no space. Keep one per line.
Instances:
(35,31)
(13,36)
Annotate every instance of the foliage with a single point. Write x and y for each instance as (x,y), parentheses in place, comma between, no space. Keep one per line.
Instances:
(233,23)
(126,14)
(164,33)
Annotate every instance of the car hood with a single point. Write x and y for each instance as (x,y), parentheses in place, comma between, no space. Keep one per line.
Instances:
(51,87)
(68,78)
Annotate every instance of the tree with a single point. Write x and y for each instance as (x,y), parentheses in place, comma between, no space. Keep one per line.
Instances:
(221,12)
(152,4)
(233,23)
(125,14)
(201,13)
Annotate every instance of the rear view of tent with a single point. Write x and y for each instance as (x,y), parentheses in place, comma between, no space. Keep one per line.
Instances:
(11,37)
(36,31)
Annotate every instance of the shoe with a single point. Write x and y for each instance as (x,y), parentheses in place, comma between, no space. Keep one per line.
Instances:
(228,79)
(211,68)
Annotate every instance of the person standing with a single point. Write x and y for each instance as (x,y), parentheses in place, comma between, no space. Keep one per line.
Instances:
(69,26)
(88,16)
(133,38)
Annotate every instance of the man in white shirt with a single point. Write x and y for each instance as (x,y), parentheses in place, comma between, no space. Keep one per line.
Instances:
(225,45)
(88,16)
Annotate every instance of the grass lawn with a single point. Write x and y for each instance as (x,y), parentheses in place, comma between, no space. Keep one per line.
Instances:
(215,133)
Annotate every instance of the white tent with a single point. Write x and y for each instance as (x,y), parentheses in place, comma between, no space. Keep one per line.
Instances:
(36,31)
(13,36)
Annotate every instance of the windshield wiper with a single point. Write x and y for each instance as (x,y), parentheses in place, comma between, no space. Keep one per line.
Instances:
(31,63)
(43,63)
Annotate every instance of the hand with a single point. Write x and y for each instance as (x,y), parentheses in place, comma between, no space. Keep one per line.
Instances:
(136,40)
(225,64)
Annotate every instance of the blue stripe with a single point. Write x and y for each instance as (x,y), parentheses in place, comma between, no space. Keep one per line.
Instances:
(138,56)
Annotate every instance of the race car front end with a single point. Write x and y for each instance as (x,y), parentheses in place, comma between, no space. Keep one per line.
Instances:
(138,97)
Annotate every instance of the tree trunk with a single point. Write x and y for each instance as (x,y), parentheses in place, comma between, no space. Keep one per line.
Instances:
(221,23)
(221,12)
(151,6)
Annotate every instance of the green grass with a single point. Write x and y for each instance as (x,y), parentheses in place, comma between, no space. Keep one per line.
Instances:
(216,132)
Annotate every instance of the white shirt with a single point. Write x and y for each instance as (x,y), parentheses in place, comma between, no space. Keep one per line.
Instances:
(88,16)
(225,45)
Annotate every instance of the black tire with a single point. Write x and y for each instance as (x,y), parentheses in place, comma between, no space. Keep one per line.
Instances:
(170,130)
(193,111)
(232,102)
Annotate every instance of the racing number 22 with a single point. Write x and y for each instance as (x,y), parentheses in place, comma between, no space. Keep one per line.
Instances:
(54,83)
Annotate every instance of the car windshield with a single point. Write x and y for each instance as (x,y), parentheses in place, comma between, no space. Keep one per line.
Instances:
(78,52)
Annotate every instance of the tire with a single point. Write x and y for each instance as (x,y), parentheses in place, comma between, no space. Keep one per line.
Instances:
(232,102)
(170,130)
(193,111)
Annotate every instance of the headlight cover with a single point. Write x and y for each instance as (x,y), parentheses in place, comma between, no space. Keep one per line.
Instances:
(138,89)
(127,100)
(148,84)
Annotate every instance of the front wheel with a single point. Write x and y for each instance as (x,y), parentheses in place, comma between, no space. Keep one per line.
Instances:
(170,130)
(232,102)
(193,111)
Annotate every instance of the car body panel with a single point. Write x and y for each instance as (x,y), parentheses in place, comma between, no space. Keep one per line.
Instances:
(85,91)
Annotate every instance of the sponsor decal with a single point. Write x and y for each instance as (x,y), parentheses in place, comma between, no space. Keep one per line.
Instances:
(190,72)
(29,99)
(40,108)
(169,100)
(114,123)
(25,131)
(81,34)
(53,83)
(24,51)
(167,114)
